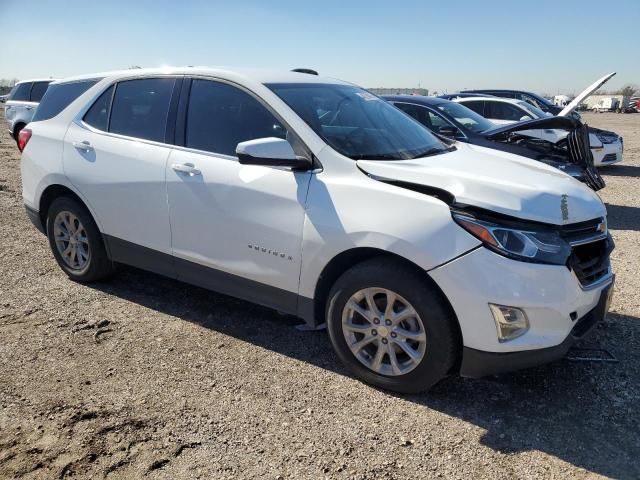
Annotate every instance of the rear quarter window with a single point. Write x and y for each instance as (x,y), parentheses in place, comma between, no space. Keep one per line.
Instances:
(21,92)
(59,96)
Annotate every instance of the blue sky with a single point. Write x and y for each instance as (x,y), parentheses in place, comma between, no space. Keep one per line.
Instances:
(544,46)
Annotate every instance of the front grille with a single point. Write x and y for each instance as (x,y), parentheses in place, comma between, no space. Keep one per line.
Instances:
(590,250)
(590,262)
(609,157)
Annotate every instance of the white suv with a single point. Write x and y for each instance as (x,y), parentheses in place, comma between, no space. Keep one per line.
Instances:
(22,102)
(314,197)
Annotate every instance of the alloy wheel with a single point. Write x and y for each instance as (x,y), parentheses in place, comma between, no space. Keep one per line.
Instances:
(384,331)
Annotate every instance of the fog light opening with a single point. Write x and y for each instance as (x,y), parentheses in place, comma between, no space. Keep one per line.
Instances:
(511,322)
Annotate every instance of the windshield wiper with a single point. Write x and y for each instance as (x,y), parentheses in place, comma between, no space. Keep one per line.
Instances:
(434,151)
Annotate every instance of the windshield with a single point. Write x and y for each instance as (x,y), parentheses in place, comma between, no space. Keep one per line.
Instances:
(358,124)
(466,117)
(535,111)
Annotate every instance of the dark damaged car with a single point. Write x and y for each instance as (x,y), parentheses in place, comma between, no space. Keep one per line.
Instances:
(570,154)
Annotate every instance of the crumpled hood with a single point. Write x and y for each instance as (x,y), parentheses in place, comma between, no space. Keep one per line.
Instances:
(497,181)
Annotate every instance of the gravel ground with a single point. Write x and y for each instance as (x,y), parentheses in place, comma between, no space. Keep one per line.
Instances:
(146,377)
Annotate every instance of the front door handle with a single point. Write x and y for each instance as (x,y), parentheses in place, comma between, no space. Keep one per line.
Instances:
(84,145)
(28,107)
(188,168)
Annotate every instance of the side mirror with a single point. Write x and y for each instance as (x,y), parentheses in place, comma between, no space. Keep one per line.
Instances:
(448,131)
(525,117)
(270,152)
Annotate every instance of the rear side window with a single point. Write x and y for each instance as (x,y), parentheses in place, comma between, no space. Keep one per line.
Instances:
(475,105)
(140,108)
(221,116)
(503,111)
(59,96)
(21,92)
(37,91)
(98,115)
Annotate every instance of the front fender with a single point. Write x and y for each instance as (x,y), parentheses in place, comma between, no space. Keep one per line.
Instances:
(355,211)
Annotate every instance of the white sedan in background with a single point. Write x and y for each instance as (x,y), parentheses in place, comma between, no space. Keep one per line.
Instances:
(606,147)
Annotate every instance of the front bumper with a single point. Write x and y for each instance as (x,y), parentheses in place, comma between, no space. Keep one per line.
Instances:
(550,295)
(609,154)
(476,363)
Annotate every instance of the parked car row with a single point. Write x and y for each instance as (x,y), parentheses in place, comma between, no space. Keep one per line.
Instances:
(425,251)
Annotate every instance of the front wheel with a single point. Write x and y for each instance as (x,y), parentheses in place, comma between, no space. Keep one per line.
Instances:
(388,325)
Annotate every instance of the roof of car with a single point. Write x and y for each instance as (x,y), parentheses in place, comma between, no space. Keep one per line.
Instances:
(36,80)
(489,99)
(419,99)
(260,76)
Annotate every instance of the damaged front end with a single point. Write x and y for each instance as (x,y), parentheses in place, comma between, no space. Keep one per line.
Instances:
(572,153)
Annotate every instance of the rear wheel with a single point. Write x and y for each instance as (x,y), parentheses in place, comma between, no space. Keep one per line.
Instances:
(76,242)
(390,328)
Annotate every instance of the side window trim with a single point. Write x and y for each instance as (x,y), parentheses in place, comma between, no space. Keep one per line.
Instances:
(171,114)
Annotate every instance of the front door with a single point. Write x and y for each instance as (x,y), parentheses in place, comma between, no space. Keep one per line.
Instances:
(235,228)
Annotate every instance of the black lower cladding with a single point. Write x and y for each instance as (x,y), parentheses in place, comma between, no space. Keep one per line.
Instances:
(122,251)
(477,363)
(34,216)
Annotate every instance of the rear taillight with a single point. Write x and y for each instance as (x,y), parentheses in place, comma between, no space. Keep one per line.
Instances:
(23,138)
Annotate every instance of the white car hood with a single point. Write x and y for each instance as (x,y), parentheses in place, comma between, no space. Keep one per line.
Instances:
(585,93)
(497,181)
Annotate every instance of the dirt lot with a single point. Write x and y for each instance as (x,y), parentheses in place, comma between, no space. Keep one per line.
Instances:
(146,377)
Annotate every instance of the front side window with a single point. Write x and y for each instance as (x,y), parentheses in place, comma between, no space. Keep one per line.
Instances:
(59,96)
(465,116)
(534,112)
(21,92)
(220,116)
(358,124)
(141,107)
(37,91)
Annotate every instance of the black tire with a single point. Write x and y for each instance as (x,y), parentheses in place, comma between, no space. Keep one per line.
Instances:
(98,265)
(442,338)
(16,131)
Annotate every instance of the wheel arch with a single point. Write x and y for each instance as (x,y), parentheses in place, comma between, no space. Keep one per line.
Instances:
(56,190)
(342,262)
(19,125)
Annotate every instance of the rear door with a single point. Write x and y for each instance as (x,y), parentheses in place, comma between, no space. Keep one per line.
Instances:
(116,157)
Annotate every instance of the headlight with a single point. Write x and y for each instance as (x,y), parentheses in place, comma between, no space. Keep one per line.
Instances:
(541,246)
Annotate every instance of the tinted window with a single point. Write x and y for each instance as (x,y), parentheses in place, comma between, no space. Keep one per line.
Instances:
(475,105)
(425,116)
(421,114)
(37,91)
(465,116)
(503,111)
(140,108)
(59,96)
(358,124)
(98,115)
(21,92)
(221,116)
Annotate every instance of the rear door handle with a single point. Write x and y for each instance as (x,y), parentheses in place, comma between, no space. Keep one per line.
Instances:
(188,168)
(28,107)
(84,145)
